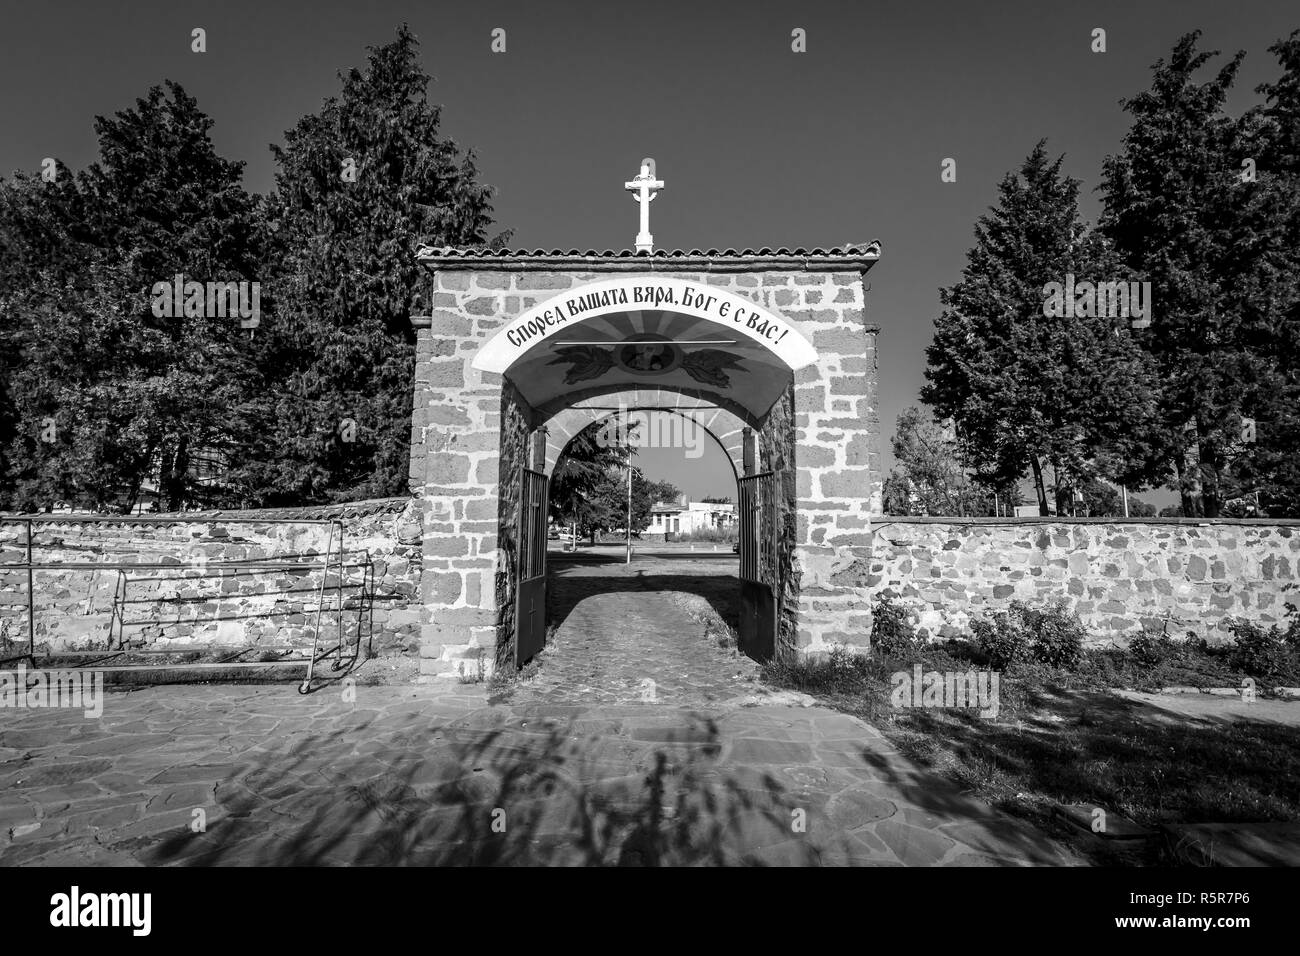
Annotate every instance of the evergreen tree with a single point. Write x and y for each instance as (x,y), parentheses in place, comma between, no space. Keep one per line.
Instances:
(1183,215)
(105,394)
(1270,467)
(581,480)
(1026,389)
(361,183)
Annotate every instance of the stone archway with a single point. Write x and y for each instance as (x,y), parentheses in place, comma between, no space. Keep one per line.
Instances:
(698,366)
(724,426)
(475,421)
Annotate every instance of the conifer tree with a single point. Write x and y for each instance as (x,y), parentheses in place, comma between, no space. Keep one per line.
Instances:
(1027,390)
(360,184)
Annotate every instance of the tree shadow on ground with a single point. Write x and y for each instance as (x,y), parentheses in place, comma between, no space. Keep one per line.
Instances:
(1097,750)
(455,795)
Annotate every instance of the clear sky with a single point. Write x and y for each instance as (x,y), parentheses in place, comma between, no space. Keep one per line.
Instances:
(757,145)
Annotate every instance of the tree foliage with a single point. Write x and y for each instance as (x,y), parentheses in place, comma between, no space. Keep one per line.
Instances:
(589,485)
(102,394)
(929,478)
(360,184)
(102,402)
(1219,245)
(1025,389)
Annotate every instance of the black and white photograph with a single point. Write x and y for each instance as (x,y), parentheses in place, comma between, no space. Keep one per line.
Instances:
(580,435)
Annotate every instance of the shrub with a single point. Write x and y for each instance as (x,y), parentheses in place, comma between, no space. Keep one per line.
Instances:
(1292,633)
(1055,635)
(891,633)
(1001,641)
(1050,635)
(1260,653)
(1152,648)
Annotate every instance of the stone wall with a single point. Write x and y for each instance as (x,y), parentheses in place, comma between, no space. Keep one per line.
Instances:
(190,601)
(1117,575)
(837,441)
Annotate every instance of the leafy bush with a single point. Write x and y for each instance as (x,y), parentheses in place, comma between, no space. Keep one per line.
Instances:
(1261,653)
(1292,633)
(1152,648)
(891,633)
(1001,641)
(1055,635)
(1050,635)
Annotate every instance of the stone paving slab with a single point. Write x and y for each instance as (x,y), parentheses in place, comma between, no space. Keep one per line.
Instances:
(1214,708)
(387,780)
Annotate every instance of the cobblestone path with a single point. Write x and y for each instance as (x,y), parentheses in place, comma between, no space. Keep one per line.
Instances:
(632,634)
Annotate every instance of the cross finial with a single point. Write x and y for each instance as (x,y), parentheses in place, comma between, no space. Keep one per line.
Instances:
(644,189)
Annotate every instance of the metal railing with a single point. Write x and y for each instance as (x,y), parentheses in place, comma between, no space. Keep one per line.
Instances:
(331,560)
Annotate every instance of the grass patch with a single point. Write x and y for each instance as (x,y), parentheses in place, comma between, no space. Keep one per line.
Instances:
(472,673)
(505,678)
(716,629)
(1062,736)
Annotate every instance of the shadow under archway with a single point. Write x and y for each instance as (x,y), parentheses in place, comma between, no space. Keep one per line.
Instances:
(718,585)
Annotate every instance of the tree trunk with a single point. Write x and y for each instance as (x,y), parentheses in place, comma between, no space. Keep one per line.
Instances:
(1038,486)
(1190,486)
(132,498)
(1210,462)
(173,477)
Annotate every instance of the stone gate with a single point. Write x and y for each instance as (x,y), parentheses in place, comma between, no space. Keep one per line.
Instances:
(769,350)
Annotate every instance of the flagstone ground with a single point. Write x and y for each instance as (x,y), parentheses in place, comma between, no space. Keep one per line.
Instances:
(626,632)
(572,767)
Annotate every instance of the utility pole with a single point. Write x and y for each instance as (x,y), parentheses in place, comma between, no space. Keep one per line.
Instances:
(629,510)
(1124,489)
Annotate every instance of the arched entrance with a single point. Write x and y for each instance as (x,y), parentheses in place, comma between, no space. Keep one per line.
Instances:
(772,347)
(753,606)
(660,358)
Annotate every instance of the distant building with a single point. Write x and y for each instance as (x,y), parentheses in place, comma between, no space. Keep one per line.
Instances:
(1031,511)
(684,516)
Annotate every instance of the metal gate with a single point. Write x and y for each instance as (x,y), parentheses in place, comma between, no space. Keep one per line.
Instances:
(758,566)
(530,585)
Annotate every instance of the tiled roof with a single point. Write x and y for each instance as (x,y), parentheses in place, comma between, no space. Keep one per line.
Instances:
(849,255)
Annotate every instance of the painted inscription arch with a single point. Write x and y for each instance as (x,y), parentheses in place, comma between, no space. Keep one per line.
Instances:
(738,315)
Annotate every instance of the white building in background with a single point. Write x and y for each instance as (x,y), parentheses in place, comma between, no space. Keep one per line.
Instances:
(687,517)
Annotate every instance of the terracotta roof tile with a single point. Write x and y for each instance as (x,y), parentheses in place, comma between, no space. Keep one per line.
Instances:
(848,251)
